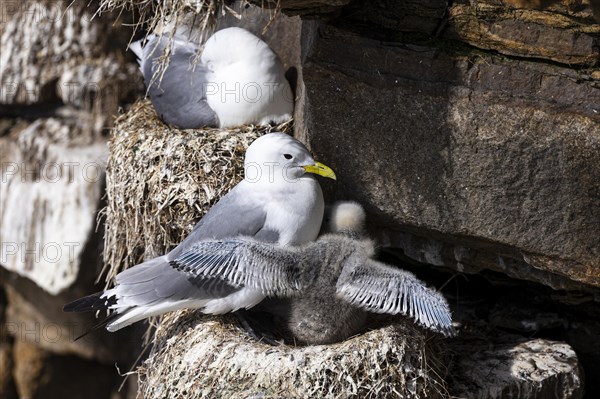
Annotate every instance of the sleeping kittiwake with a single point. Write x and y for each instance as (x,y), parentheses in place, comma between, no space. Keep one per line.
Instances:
(279,201)
(236,79)
(332,283)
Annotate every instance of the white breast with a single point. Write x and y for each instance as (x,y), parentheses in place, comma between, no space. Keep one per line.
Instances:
(242,94)
(297,214)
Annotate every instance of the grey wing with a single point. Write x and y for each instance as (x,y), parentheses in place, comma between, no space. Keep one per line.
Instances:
(156,281)
(238,213)
(380,288)
(178,94)
(271,269)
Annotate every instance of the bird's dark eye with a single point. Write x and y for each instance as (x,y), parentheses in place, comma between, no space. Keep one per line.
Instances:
(288,156)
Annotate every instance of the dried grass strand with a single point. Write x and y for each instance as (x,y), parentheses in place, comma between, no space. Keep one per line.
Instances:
(198,356)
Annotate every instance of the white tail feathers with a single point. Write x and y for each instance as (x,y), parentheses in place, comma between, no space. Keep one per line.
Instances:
(142,312)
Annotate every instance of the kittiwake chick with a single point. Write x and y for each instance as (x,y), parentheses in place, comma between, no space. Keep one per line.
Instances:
(332,283)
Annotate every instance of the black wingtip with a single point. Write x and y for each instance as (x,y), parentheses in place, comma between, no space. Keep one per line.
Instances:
(98,326)
(90,303)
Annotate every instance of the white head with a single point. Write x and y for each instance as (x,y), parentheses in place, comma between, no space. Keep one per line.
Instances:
(278,157)
(347,217)
(235,45)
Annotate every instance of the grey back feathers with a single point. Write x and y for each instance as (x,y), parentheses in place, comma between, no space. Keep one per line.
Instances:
(247,218)
(179,92)
(235,79)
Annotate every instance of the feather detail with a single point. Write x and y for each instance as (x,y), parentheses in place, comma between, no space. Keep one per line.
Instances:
(379,288)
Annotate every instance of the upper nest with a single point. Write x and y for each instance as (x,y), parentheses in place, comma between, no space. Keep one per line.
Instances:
(197,356)
(162,180)
(154,15)
(196,20)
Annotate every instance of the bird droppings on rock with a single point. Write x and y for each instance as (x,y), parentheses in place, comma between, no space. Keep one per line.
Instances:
(488,364)
(198,356)
(51,172)
(161,181)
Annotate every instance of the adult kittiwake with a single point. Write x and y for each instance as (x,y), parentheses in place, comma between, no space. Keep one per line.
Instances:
(332,283)
(235,79)
(279,201)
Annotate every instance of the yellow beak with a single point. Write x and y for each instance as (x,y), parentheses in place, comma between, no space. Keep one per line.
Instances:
(319,169)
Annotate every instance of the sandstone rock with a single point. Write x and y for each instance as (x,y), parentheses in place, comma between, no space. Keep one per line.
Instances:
(580,9)
(304,7)
(52,179)
(39,374)
(464,258)
(480,153)
(557,315)
(378,18)
(562,31)
(36,317)
(512,366)
(55,50)
(525,33)
(7,383)
(28,368)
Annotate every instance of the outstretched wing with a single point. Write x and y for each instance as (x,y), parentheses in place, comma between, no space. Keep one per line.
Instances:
(271,269)
(380,288)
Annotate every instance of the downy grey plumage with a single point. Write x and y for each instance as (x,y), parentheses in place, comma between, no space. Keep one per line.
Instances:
(332,283)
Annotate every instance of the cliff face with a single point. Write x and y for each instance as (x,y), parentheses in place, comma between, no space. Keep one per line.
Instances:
(473,138)
(63,76)
(488,153)
(469,130)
